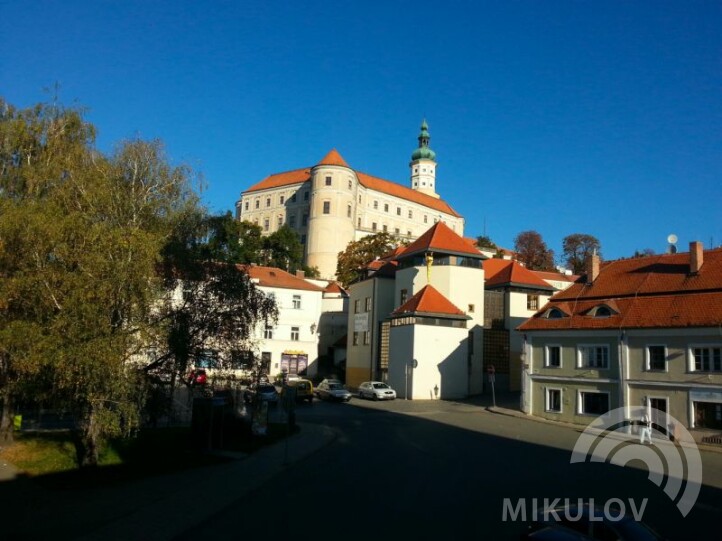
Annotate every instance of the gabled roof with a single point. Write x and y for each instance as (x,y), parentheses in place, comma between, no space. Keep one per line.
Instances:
(502,272)
(429,301)
(555,276)
(299,176)
(647,292)
(440,238)
(334,287)
(273,277)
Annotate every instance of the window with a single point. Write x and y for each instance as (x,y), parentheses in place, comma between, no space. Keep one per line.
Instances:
(411,214)
(348,210)
(246,205)
(385,228)
(376,205)
(403,296)
(258,203)
(373,226)
(282,200)
(367,338)
(280,220)
(408,233)
(554,400)
(268,201)
(293,198)
(386,207)
(268,332)
(295,334)
(358,223)
(554,313)
(553,356)
(297,302)
(368,304)
(398,211)
(355,338)
(292,220)
(397,231)
(707,359)
(593,403)
(356,306)
(328,181)
(327,207)
(656,357)
(593,357)
(532,302)
(602,311)
(304,220)
(305,195)
(426,219)
(471,309)
(350,184)
(266,224)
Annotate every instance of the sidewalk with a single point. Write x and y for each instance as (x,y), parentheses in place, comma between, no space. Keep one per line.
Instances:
(154,508)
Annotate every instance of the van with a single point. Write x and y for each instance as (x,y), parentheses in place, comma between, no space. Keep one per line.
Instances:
(304,389)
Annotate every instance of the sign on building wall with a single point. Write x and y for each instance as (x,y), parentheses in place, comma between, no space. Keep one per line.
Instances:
(361,322)
(294,363)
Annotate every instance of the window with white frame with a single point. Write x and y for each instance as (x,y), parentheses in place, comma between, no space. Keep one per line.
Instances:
(328,181)
(553,400)
(355,338)
(268,332)
(297,302)
(592,356)
(707,358)
(368,304)
(553,356)
(656,358)
(367,338)
(327,207)
(295,334)
(593,402)
(356,306)
(532,302)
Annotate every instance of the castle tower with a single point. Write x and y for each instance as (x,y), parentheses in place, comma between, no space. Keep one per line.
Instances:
(333,211)
(423,165)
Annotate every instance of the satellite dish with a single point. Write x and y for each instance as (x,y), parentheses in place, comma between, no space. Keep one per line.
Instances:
(672,238)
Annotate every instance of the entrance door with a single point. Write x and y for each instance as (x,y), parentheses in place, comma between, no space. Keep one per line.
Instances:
(659,414)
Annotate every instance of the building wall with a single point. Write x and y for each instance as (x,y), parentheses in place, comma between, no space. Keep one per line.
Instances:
(517,313)
(441,354)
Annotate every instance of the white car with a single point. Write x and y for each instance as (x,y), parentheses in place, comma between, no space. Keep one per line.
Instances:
(376,390)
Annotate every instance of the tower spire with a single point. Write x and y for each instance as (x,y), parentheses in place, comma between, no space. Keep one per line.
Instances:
(423,164)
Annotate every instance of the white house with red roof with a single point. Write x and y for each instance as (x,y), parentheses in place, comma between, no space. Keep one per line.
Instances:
(416,321)
(330,204)
(634,332)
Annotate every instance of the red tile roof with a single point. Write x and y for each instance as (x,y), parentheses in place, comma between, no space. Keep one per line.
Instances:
(298,176)
(649,292)
(556,276)
(333,158)
(504,271)
(273,277)
(428,301)
(334,287)
(440,238)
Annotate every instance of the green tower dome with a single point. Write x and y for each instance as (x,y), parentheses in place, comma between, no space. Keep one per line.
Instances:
(423,152)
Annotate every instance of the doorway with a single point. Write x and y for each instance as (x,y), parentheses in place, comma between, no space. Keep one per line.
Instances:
(659,414)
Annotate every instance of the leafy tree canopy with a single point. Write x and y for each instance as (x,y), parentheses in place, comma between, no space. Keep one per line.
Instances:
(532,251)
(578,248)
(360,253)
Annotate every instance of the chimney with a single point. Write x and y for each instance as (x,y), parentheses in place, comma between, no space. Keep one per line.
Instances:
(592,265)
(300,274)
(696,256)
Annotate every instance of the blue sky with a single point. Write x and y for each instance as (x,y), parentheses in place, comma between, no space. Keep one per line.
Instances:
(563,117)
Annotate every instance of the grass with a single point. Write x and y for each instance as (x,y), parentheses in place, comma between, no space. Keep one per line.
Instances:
(49,457)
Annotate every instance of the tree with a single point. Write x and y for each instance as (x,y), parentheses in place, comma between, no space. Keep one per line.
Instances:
(577,249)
(482,241)
(284,250)
(533,252)
(360,253)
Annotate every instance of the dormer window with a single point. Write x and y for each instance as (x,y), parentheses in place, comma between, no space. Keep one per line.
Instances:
(601,311)
(554,313)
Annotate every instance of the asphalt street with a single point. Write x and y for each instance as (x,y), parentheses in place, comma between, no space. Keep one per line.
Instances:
(428,470)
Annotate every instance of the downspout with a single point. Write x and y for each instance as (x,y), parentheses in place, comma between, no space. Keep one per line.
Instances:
(375,343)
(623,355)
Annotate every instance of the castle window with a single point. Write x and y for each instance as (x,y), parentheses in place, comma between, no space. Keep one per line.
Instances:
(327,207)
(359,223)
(268,201)
(386,207)
(246,205)
(282,200)
(398,211)
(423,170)
(411,214)
(280,220)
(408,233)
(266,224)
(348,210)
(376,205)
(328,181)
(385,228)
(373,226)
(426,219)
(416,169)
(258,203)
(397,231)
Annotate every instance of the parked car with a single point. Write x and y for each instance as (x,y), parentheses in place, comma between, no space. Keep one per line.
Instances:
(332,391)
(304,389)
(376,390)
(265,392)
(592,523)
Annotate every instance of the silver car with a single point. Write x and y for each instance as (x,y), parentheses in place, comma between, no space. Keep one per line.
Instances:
(376,390)
(332,390)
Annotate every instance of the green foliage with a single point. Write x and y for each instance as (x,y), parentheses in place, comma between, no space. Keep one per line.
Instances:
(360,253)
(482,241)
(283,249)
(578,248)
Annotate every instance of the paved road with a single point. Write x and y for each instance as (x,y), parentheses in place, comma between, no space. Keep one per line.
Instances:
(441,470)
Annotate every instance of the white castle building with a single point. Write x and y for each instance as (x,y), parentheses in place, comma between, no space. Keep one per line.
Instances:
(330,204)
